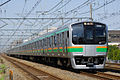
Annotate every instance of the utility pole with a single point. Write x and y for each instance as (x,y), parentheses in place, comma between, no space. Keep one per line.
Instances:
(91,11)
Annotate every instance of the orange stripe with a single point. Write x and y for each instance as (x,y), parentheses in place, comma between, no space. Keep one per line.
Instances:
(49,48)
(60,47)
(55,48)
(101,47)
(75,47)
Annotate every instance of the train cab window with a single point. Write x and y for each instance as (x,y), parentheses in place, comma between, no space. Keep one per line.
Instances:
(89,34)
(77,34)
(100,34)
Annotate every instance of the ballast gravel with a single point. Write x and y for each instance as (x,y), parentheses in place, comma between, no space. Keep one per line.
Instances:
(63,74)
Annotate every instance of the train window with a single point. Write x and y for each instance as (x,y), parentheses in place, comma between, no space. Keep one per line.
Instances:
(39,44)
(48,45)
(50,41)
(45,42)
(36,45)
(77,34)
(63,38)
(55,41)
(68,34)
(100,31)
(88,34)
(58,39)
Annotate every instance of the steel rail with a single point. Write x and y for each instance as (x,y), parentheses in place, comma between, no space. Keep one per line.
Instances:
(113,64)
(36,74)
(95,76)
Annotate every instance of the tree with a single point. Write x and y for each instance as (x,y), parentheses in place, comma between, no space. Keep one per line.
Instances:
(113,52)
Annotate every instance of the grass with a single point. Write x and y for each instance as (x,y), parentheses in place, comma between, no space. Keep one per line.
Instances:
(2,78)
(2,68)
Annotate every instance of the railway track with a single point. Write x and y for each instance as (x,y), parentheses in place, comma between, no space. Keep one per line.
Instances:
(102,76)
(118,64)
(36,74)
(113,66)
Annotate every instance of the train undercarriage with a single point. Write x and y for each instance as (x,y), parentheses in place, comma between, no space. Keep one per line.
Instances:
(78,62)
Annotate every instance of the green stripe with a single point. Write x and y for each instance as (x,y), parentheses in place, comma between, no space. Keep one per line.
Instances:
(75,49)
(101,50)
(61,50)
(62,31)
(50,35)
(49,50)
(55,50)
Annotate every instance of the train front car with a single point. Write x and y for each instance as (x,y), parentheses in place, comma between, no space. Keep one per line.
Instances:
(89,45)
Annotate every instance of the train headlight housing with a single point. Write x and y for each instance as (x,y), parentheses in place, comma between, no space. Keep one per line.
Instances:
(88,23)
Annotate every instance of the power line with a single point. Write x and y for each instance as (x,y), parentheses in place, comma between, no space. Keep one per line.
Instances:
(4,3)
(69,12)
(44,18)
(61,6)
(78,7)
(37,3)
(15,35)
(107,3)
(22,29)
(52,7)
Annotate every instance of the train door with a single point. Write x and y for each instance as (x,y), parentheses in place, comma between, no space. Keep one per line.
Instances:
(63,42)
(58,43)
(89,41)
(66,41)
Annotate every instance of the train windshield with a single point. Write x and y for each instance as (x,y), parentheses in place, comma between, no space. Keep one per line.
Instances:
(88,34)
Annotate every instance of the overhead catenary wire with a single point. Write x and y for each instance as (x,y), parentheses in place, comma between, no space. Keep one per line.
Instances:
(4,3)
(55,7)
(37,3)
(107,3)
(80,6)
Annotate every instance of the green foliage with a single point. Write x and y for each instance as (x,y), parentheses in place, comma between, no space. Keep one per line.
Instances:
(2,78)
(113,52)
(2,68)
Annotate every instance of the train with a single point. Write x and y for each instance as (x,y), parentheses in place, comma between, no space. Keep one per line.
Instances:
(80,45)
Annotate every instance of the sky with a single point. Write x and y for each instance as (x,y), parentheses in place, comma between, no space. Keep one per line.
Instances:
(15,7)
(105,11)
